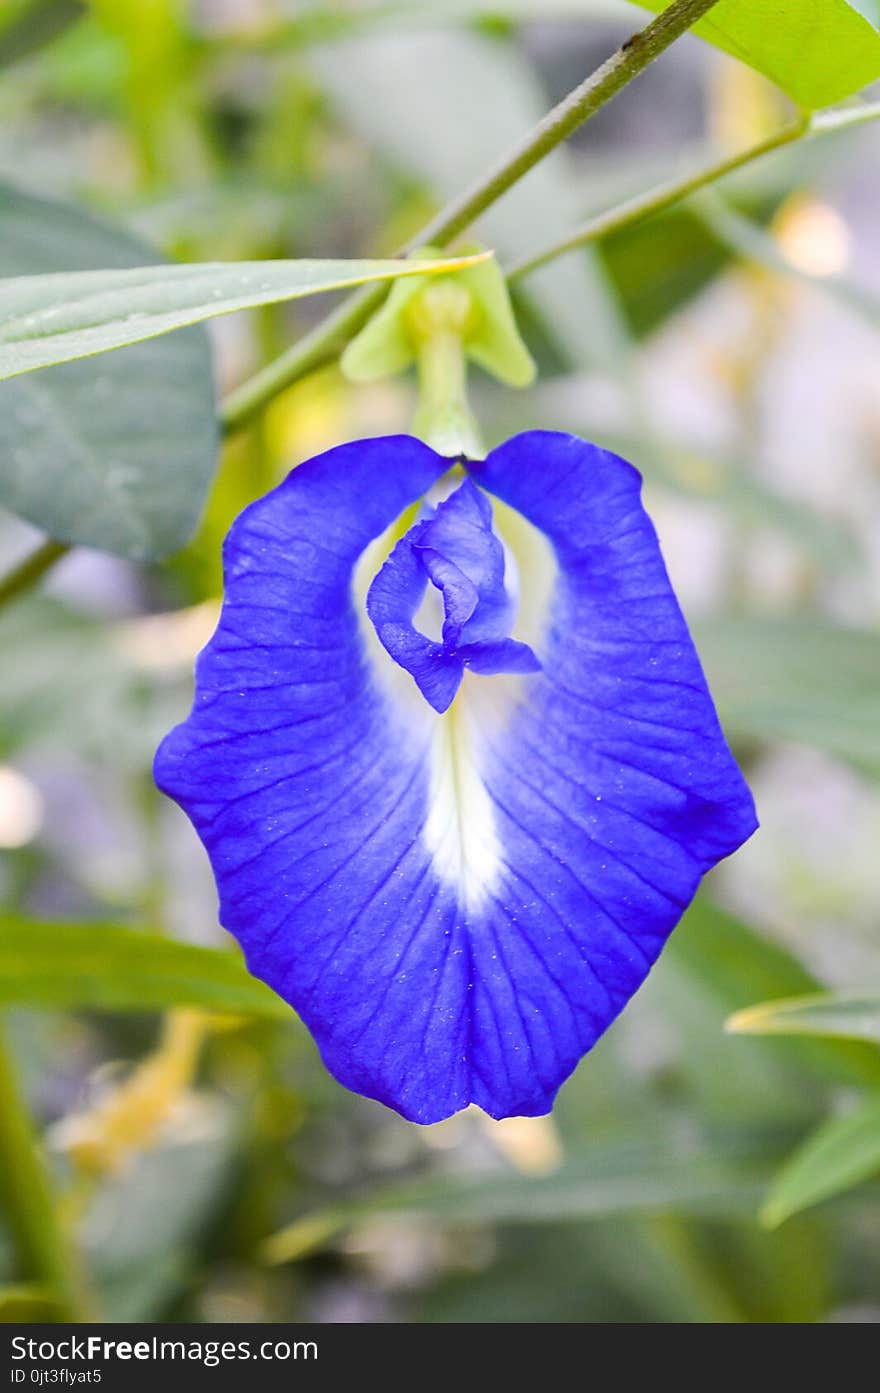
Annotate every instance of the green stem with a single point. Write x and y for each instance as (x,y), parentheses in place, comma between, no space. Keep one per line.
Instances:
(580,104)
(323,342)
(825,122)
(444,419)
(27,1200)
(310,352)
(25,1190)
(30,570)
(657,200)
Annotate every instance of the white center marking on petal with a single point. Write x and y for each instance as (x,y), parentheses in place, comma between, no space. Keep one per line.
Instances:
(460,831)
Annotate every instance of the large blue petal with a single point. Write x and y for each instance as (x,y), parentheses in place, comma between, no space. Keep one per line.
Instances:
(456,905)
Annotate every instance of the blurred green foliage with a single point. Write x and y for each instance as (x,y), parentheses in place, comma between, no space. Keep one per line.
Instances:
(207,1167)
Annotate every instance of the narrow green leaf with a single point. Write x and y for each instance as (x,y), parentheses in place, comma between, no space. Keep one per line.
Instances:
(818,51)
(105,967)
(30,1302)
(840,1154)
(55,319)
(719,948)
(730,963)
(840,1015)
(602,1180)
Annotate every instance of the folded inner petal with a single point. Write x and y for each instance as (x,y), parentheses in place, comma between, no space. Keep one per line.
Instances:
(455,549)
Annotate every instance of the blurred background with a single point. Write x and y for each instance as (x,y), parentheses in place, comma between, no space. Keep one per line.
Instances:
(729,348)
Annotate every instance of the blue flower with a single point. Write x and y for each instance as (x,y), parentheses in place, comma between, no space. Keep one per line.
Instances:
(457,770)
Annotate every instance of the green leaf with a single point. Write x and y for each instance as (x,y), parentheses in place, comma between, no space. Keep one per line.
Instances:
(660,264)
(46,320)
(818,51)
(840,1015)
(26,26)
(841,1153)
(104,967)
(716,964)
(29,1302)
(144,1232)
(796,679)
(730,963)
(603,1180)
(84,454)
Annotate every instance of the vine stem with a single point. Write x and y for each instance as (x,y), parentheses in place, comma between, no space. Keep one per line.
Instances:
(580,104)
(657,200)
(27,572)
(583,102)
(41,1248)
(842,117)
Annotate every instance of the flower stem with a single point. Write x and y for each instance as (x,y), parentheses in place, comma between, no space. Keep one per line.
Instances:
(27,1201)
(657,200)
(444,419)
(31,569)
(583,102)
(841,118)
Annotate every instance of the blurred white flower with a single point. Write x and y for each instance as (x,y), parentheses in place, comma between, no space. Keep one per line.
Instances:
(21,809)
